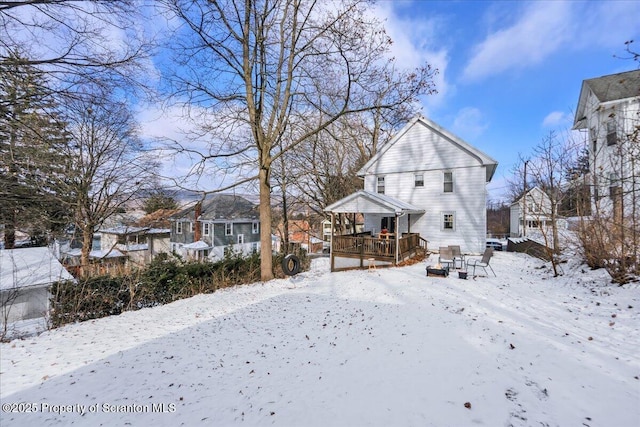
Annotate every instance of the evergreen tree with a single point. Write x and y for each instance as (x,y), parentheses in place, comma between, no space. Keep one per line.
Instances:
(32,138)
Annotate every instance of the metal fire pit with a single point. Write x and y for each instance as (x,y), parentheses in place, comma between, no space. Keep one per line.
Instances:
(433,271)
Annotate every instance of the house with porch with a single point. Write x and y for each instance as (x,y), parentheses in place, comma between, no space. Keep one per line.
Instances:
(424,185)
(139,244)
(530,213)
(215,225)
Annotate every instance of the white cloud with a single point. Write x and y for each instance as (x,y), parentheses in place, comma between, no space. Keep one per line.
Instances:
(542,29)
(469,123)
(557,119)
(609,24)
(410,45)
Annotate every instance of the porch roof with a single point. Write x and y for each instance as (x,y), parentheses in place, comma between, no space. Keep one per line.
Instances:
(372,203)
(198,246)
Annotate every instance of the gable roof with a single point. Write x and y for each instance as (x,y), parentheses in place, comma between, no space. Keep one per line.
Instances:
(30,267)
(481,157)
(532,192)
(367,202)
(612,87)
(221,207)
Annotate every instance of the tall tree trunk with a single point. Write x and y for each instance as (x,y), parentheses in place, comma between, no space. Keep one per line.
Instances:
(10,231)
(266,259)
(87,243)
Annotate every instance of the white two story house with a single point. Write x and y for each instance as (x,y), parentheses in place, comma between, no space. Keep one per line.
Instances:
(531,215)
(428,181)
(609,111)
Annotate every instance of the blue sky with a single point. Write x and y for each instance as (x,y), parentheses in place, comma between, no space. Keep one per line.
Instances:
(510,71)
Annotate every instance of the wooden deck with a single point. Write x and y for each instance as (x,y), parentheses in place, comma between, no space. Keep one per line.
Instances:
(381,250)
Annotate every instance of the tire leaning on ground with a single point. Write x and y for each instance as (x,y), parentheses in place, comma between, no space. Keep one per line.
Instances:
(291,265)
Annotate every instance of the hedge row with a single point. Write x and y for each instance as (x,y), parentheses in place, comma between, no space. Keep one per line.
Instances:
(166,279)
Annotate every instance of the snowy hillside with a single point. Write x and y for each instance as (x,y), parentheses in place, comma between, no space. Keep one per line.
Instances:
(389,347)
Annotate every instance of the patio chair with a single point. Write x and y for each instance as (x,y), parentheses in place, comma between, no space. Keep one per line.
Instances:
(457,255)
(484,262)
(446,256)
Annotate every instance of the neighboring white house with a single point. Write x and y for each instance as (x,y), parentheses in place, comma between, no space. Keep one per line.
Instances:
(211,227)
(139,244)
(25,278)
(609,110)
(536,205)
(348,227)
(434,182)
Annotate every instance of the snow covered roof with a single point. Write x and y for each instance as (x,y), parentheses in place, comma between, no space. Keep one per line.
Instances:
(20,268)
(124,229)
(199,245)
(367,202)
(113,253)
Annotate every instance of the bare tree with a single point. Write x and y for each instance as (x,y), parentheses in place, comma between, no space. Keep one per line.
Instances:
(110,167)
(547,170)
(74,41)
(271,66)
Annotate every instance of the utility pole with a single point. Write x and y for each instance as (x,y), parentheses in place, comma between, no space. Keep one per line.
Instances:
(524,204)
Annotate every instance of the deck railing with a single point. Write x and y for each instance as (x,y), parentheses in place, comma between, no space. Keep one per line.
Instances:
(366,247)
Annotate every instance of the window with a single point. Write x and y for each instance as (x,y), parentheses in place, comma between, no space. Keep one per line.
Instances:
(419,180)
(612,137)
(178,227)
(254,247)
(448,221)
(614,188)
(255,228)
(190,227)
(381,184)
(448,182)
(594,140)
(206,229)
(228,229)
(241,239)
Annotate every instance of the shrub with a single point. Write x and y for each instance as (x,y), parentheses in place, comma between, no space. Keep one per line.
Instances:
(165,279)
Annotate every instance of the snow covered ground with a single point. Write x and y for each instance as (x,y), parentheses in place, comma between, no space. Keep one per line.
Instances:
(387,347)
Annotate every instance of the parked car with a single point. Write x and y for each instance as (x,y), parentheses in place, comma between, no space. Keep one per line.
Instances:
(495,244)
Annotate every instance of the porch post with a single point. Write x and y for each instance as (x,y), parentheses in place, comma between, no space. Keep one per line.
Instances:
(331,244)
(397,237)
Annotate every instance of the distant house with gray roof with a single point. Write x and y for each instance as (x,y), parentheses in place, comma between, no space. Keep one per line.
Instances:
(220,222)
